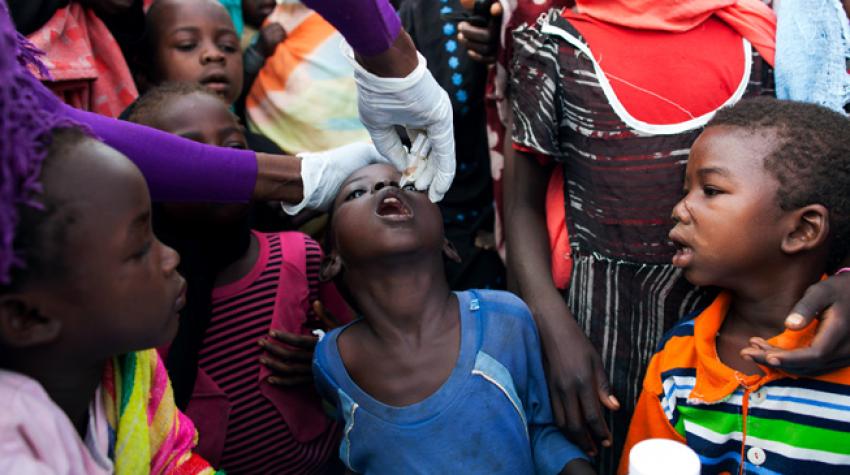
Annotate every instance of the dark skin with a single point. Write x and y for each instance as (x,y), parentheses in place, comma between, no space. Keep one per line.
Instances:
(410,345)
(61,329)
(255,12)
(481,42)
(574,368)
(732,234)
(220,128)
(290,362)
(404,349)
(195,41)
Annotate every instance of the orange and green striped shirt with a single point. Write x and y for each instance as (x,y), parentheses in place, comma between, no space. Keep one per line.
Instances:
(746,424)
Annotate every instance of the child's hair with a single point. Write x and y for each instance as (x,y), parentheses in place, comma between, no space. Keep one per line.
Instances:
(28,115)
(39,242)
(811,158)
(145,110)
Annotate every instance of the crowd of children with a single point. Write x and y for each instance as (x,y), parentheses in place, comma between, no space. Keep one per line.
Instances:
(677,247)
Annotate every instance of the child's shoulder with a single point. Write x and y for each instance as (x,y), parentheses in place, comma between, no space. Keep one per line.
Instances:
(500,308)
(681,332)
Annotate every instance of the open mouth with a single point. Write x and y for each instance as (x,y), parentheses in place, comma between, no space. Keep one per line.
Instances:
(684,253)
(216,82)
(392,208)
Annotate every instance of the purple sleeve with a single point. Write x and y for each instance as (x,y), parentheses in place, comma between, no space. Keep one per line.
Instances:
(369,26)
(175,168)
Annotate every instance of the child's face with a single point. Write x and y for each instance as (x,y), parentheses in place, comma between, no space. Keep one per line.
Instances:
(206,119)
(255,12)
(194,41)
(374,218)
(119,290)
(729,222)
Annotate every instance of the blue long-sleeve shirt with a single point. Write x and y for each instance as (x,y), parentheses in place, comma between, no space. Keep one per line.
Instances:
(492,415)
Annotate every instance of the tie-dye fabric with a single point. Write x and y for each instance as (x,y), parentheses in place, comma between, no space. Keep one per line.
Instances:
(148,434)
(304,98)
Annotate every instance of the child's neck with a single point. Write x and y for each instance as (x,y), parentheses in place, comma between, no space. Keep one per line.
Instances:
(759,309)
(70,384)
(241,266)
(401,297)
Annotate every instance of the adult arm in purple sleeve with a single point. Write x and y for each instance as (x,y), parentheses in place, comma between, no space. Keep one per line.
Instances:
(178,169)
(369,26)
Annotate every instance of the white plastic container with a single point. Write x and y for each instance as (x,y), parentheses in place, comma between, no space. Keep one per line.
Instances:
(663,457)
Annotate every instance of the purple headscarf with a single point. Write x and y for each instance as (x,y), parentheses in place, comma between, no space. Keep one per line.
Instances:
(28,112)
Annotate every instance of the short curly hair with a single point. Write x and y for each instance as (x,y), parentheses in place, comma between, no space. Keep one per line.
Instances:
(811,158)
(146,109)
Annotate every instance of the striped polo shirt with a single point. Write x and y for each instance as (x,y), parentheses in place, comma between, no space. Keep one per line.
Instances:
(737,423)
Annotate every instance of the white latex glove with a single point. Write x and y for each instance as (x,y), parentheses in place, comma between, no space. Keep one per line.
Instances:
(323,173)
(419,104)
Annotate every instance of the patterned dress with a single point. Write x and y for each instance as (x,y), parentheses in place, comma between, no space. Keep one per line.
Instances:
(622,179)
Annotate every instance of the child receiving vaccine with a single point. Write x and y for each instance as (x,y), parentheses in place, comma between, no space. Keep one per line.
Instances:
(245,287)
(766,214)
(428,381)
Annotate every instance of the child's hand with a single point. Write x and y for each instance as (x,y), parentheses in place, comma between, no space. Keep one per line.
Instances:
(270,36)
(482,42)
(828,300)
(293,366)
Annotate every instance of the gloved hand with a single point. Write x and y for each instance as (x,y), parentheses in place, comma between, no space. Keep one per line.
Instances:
(324,172)
(419,104)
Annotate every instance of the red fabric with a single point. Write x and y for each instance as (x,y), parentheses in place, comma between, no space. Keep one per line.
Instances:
(752,19)
(276,294)
(671,90)
(87,68)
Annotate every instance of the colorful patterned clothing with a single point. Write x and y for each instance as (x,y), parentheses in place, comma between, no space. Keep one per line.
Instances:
(304,98)
(246,424)
(623,174)
(737,423)
(147,433)
(87,68)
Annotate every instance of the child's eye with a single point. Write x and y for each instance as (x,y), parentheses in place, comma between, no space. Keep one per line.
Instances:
(184,46)
(228,48)
(142,252)
(710,191)
(409,187)
(238,145)
(355,194)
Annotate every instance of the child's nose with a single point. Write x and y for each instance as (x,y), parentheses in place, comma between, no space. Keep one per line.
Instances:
(211,54)
(383,184)
(170,259)
(680,212)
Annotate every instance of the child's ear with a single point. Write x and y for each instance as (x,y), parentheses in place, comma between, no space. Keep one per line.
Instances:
(810,229)
(22,325)
(450,251)
(330,267)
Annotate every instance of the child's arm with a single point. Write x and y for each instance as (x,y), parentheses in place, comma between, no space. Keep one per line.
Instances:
(254,58)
